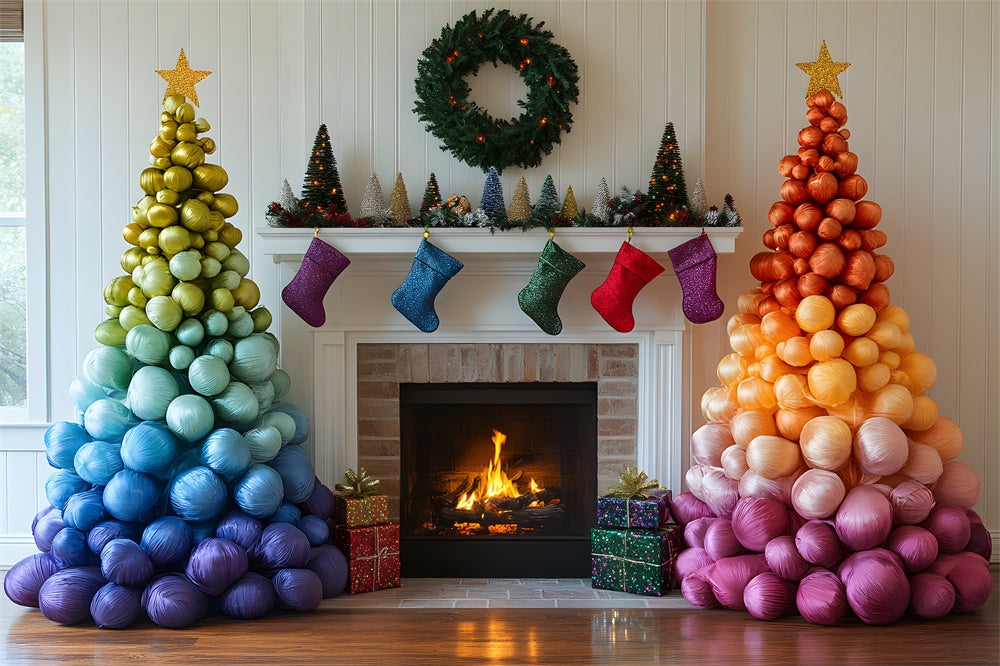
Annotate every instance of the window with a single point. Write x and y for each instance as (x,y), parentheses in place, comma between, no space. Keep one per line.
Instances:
(13,237)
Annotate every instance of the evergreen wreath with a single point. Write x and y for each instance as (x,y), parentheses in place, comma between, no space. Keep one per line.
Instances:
(469,132)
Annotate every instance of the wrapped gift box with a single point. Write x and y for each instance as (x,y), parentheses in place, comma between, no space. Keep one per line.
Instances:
(372,510)
(652,512)
(637,561)
(372,556)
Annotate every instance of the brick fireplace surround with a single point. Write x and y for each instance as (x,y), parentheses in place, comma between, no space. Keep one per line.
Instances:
(382,367)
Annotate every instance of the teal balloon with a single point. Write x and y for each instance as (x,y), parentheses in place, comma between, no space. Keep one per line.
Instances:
(236,406)
(284,423)
(265,395)
(108,367)
(225,452)
(190,417)
(264,443)
(281,381)
(208,375)
(181,356)
(299,416)
(84,393)
(198,494)
(97,462)
(151,391)
(191,332)
(221,348)
(241,327)
(148,344)
(107,420)
(254,359)
(216,323)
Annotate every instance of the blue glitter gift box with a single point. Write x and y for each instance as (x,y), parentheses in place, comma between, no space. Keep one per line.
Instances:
(652,512)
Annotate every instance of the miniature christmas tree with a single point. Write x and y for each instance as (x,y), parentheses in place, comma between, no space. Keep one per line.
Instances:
(520,205)
(399,202)
(729,212)
(824,397)
(492,199)
(432,195)
(666,184)
(548,199)
(569,207)
(183,438)
(373,203)
(321,189)
(602,201)
(699,204)
(288,201)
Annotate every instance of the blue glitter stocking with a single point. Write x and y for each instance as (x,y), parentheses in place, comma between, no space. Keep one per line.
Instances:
(540,299)
(431,270)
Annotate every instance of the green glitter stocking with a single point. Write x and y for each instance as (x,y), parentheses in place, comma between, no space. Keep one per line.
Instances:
(540,299)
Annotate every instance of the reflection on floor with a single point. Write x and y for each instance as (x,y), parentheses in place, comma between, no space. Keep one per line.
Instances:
(502,593)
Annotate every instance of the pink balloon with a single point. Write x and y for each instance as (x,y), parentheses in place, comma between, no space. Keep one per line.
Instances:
(686,507)
(729,577)
(721,541)
(916,547)
(877,589)
(911,502)
(690,560)
(817,543)
(958,484)
(708,442)
(980,541)
(931,596)
(880,446)
(950,526)
(768,596)
(821,598)
(817,493)
(864,518)
(784,559)
(757,520)
(697,590)
(753,484)
(719,491)
(694,532)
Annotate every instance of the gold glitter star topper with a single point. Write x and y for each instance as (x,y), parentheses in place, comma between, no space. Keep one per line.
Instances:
(181,79)
(823,73)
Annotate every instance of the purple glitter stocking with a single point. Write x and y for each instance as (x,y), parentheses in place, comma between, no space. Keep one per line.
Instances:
(321,265)
(695,265)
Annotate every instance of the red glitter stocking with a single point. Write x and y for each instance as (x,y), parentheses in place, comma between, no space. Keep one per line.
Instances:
(633,270)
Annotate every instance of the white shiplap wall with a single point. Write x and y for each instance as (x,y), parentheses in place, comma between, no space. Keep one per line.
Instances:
(922,95)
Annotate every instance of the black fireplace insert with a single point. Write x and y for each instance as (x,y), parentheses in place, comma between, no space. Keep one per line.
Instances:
(497,480)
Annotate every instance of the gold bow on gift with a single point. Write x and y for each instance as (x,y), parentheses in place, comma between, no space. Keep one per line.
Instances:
(359,485)
(632,484)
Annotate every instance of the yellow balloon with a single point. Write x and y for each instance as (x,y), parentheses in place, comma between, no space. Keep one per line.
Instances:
(161,215)
(177,178)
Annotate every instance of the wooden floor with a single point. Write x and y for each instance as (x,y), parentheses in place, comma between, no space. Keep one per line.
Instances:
(509,636)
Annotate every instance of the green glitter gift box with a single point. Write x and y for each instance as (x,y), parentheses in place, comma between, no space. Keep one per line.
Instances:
(637,561)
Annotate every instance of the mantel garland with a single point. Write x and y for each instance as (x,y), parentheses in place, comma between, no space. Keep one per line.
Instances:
(469,132)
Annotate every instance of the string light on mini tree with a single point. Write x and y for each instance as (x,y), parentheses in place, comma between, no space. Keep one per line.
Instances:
(321,190)
(667,190)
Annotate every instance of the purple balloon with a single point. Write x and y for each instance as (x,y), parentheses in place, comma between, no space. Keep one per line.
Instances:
(46,526)
(65,597)
(282,546)
(298,589)
(125,563)
(167,541)
(69,547)
(103,532)
(215,564)
(316,529)
(26,578)
(173,601)
(116,606)
(320,502)
(240,528)
(980,541)
(249,598)
(330,564)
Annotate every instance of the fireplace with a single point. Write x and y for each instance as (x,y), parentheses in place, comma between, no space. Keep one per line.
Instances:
(497,479)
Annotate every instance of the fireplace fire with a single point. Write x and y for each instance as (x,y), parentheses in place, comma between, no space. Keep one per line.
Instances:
(517,503)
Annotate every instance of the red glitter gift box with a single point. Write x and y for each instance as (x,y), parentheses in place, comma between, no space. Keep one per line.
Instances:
(360,512)
(372,555)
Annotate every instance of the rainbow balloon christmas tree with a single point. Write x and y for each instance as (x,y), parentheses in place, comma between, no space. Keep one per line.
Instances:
(825,480)
(184,480)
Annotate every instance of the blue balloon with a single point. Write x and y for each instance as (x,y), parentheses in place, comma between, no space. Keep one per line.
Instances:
(149,448)
(240,528)
(301,419)
(116,606)
(201,530)
(167,541)
(316,529)
(84,393)
(249,598)
(62,440)
(225,452)
(97,462)
(63,484)
(287,513)
(297,473)
(107,420)
(331,565)
(103,532)
(130,496)
(173,601)
(84,510)
(125,563)
(65,597)
(69,547)
(298,589)
(259,492)
(198,494)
